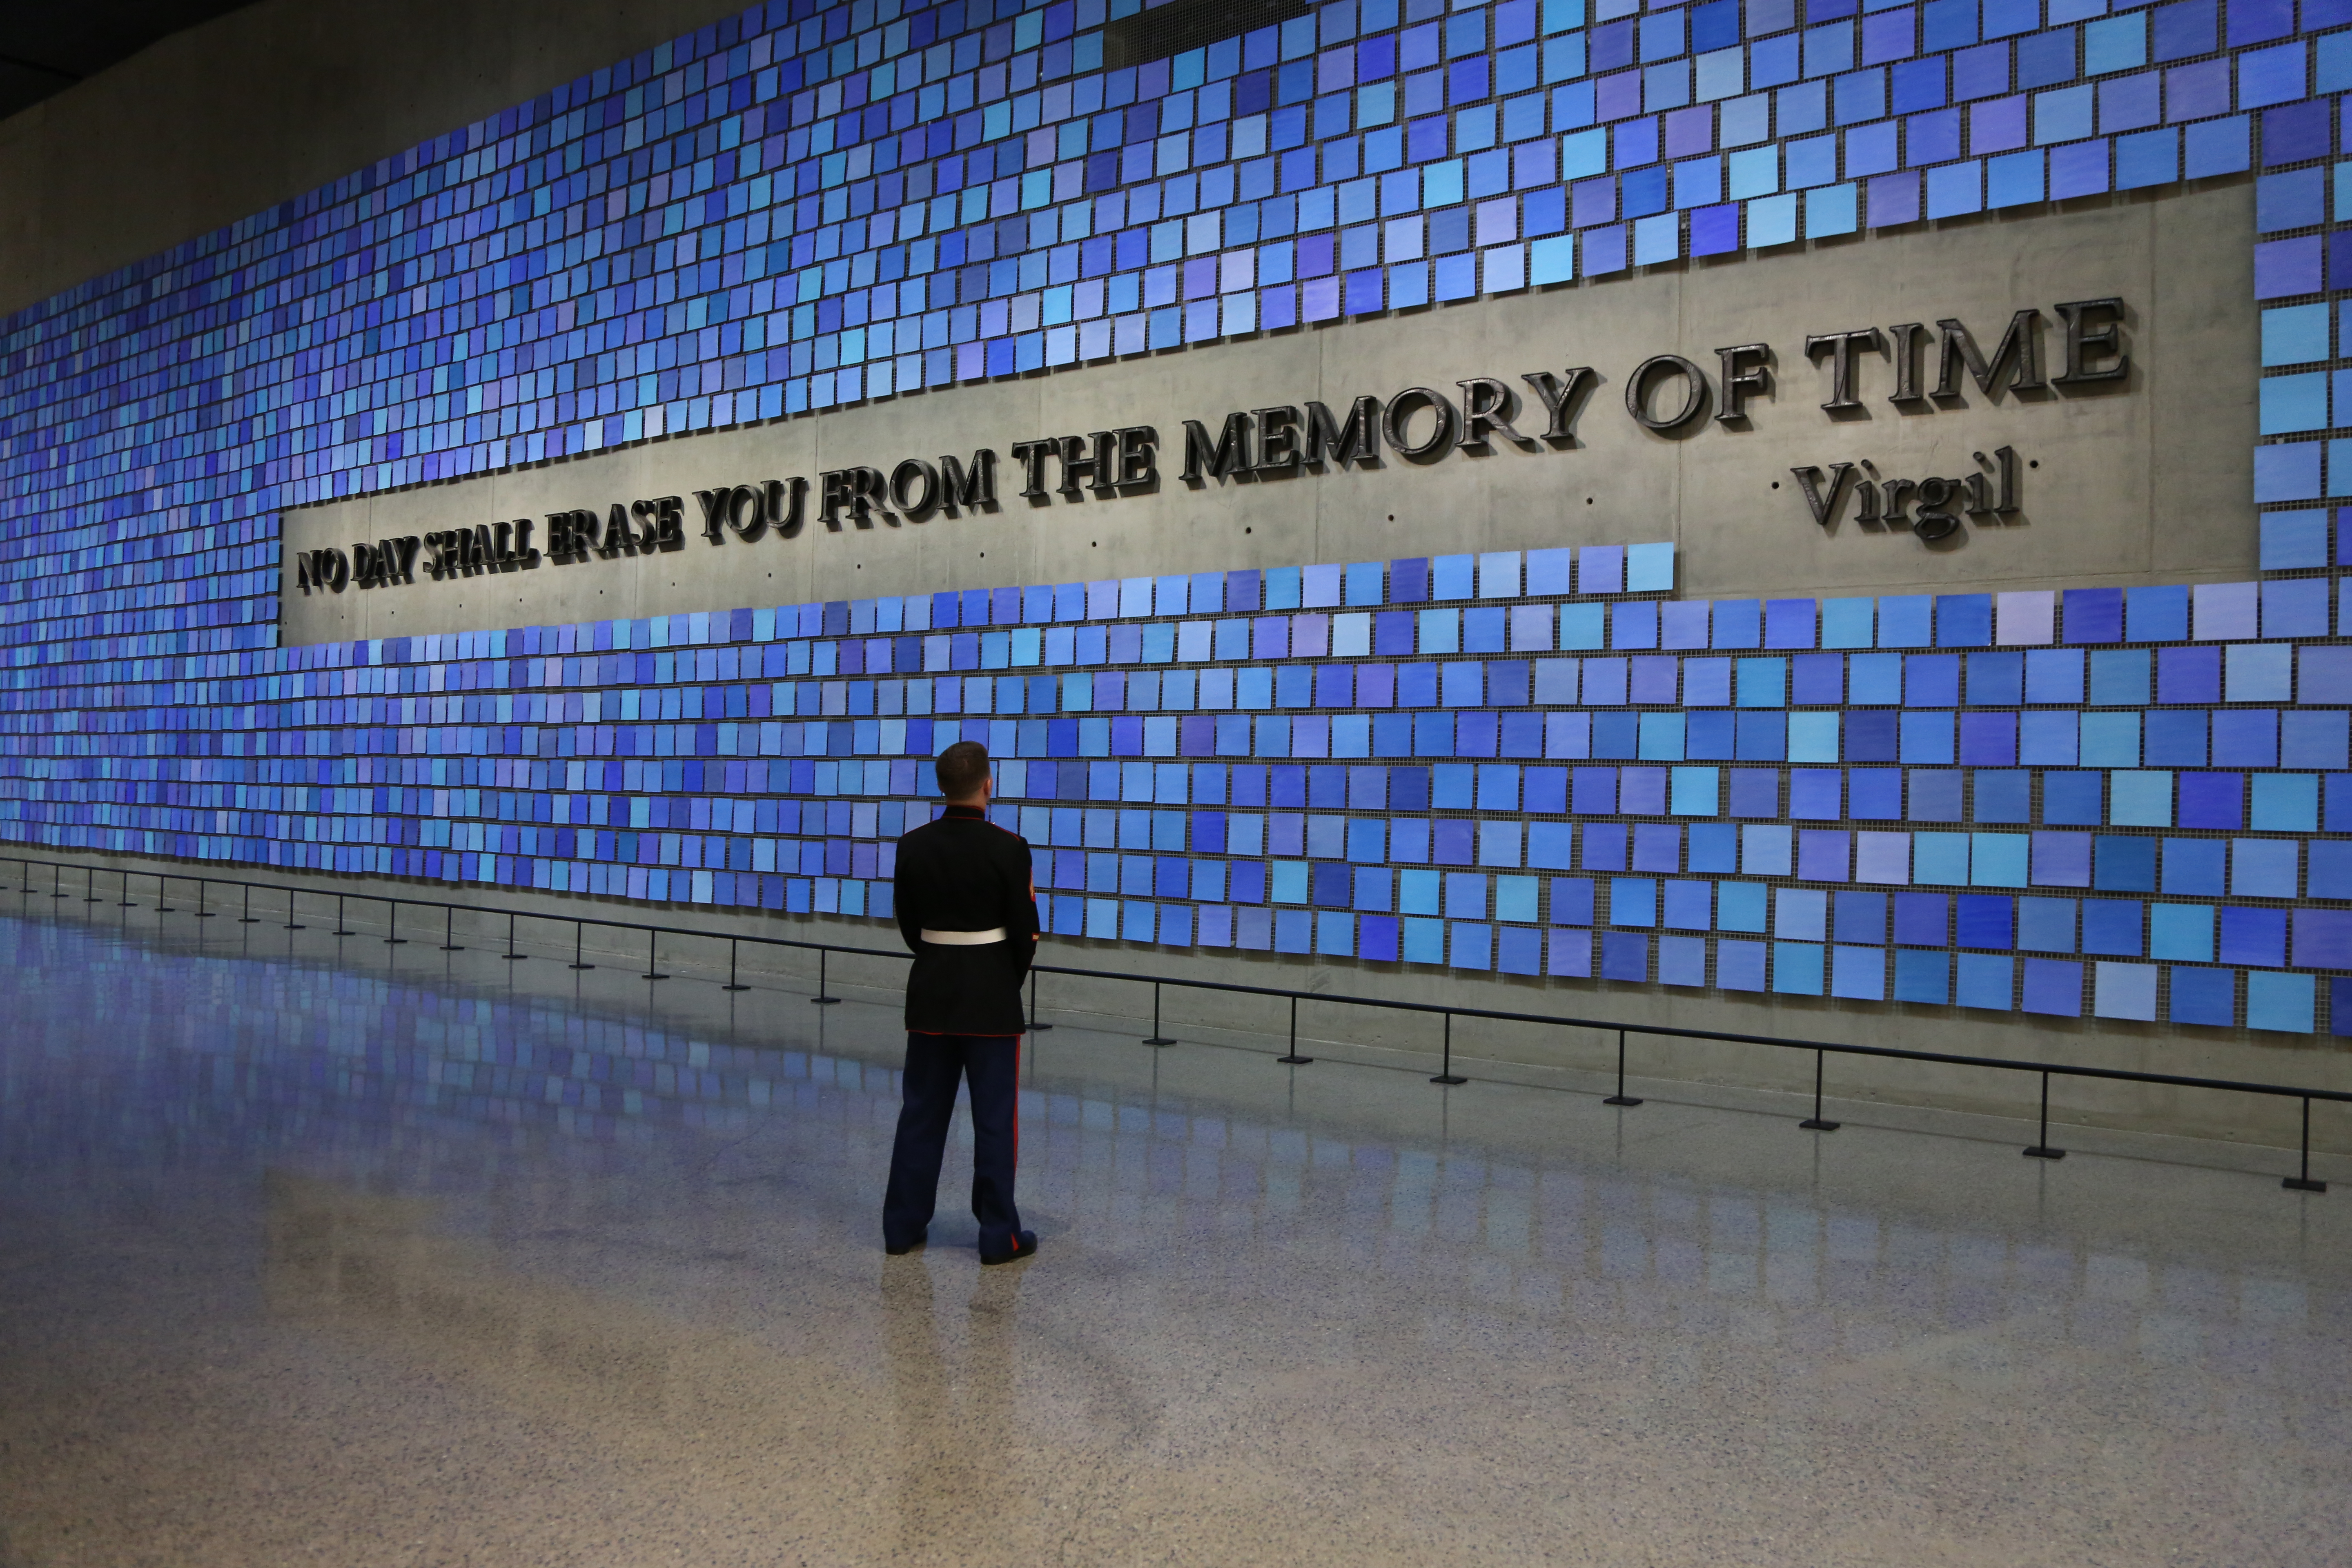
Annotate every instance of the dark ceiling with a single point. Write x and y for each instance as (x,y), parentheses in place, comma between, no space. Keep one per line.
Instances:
(45,48)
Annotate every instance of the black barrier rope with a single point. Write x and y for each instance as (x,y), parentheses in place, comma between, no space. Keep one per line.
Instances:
(2302,1182)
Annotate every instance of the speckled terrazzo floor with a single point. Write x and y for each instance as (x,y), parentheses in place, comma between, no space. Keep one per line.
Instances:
(370,1255)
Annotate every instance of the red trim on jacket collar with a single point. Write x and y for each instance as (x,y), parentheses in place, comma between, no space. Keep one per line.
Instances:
(968,813)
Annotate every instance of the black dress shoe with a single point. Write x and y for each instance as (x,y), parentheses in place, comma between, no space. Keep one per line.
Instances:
(902,1250)
(1024,1243)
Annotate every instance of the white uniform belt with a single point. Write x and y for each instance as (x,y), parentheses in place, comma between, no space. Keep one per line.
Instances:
(964,937)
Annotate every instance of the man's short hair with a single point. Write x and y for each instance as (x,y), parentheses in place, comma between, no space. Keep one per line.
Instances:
(962,769)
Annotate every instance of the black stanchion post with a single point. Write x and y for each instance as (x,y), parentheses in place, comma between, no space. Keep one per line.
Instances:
(821,999)
(249,917)
(510,951)
(450,943)
(1814,1123)
(2041,1149)
(577,928)
(90,886)
(124,902)
(1621,1097)
(163,892)
(57,879)
(2302,1182)
(1447,1074)
(733,984)
(339,928)
(653,969)
(1160,1039)
(1294,1059)
(290,925)
(1034,1027)
(203,889)
(394,938)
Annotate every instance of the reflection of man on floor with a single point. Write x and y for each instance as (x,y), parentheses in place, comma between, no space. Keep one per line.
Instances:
(969,910)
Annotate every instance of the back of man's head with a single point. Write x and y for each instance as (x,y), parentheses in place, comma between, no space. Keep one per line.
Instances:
(963,768)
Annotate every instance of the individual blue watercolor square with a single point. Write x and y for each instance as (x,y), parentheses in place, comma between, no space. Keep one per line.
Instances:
(1736,624)
(1983,980)
(1740,906)
(2158,613)
(1817,678)
(2281,1002)
(1624,955)
(1682,961)
(1940,858)
(1551,572)
(1848,623)
(2053,987)
(2323,939)
(2094,614)
(2329,873)
(2180,932)
(1713,847)
(1905,620)
(1755,792)
(1934,795)
(1815,794)
(1519,950)
(1874,678)
(2253,936)
(1650,568)
(2294,334)
(2290,404)
(1858,916)
(1797,968)
(2285,803)
(2112,927)
(2119,676)
(1601,569)
(2205,996)
(2210,147)
(2188,675)
(1858,973)
(1739,965)
(1963,620)
(1788,624)
(2285,472)
(2125,864)
(2295,199)
(1921,919)
(2285,269)
(2140,799)
(2072,799)
(2045,925)
(2003,796)
(2209,800)
(1997,680)
(2296,607)
(2263,867)
(1424,941)
(2061,859)
(2194,866)
(1872,794)
(1923,977)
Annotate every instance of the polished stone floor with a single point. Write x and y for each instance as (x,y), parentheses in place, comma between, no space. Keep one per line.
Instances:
(317,1250)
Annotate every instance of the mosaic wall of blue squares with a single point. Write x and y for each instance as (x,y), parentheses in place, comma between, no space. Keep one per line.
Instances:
(2105,802)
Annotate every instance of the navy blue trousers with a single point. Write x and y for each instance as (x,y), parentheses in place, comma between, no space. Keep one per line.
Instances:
(935,1063)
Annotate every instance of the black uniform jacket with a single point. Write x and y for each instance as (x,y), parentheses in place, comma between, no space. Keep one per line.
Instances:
(964,873)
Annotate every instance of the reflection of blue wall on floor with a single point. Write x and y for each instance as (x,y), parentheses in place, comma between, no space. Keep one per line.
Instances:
(2104,800)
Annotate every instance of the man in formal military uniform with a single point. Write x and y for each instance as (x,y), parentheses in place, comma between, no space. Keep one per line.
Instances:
(968,909)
